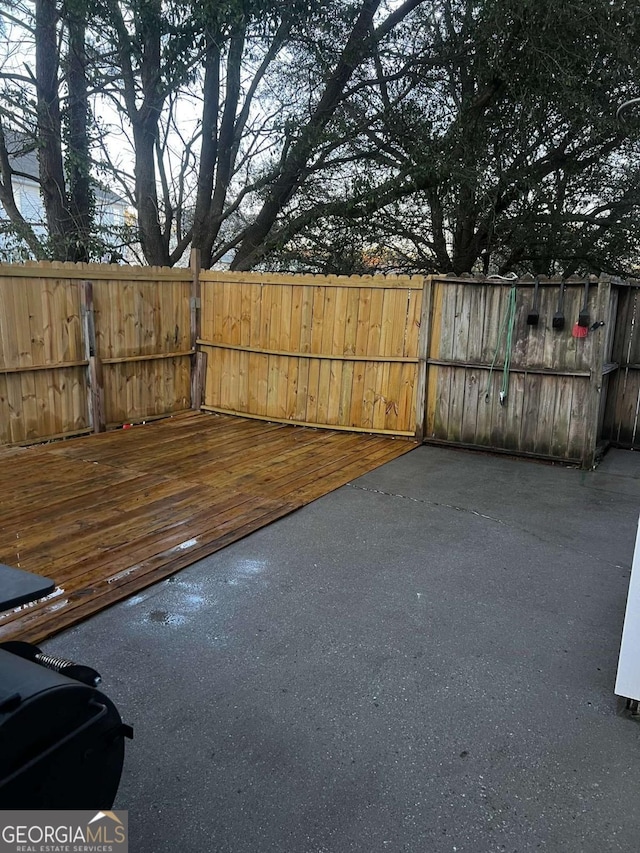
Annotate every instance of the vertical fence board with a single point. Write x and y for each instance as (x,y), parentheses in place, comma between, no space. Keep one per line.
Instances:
(470,415)
(596,353)
(313,385)
(300,411)
(95,380)
(340,321)
(364,317)
(195,330)
(417,339)
(621,417)
(351,321)
(433,348)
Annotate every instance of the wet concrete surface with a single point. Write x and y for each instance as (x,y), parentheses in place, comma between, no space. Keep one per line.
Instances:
(421,661)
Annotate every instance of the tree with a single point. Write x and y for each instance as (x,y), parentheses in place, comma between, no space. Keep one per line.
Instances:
(254,147)
(55,120)
(498,146)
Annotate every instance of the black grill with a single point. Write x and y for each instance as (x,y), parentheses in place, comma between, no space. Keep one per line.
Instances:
(61,739)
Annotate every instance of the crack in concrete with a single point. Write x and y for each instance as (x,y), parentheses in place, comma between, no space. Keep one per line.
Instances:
(544,540)
(429,503)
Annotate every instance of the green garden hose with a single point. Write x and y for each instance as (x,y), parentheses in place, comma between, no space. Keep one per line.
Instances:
(506,331)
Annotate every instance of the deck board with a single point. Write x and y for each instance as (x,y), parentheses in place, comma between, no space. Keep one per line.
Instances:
(107,515)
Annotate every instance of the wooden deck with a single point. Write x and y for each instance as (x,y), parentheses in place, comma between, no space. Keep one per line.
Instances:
(107,515)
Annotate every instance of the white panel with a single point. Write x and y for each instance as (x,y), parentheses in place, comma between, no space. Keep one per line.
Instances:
(628,680)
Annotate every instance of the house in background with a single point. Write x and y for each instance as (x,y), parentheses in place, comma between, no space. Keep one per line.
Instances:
(112,212)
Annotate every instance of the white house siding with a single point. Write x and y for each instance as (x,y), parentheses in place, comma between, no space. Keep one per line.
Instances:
(110,212)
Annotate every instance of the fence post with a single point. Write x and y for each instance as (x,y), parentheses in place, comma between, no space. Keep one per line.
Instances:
(94,370)
(198,362)
(423,354)
(600,336)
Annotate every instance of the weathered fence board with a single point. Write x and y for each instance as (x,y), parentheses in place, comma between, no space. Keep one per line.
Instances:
(312,350)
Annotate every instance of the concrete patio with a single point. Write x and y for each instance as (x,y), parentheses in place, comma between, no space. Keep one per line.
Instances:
(420,661)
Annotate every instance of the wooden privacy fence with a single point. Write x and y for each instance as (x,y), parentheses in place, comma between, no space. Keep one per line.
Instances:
(556,382)
(42,357)
(314,350)
(89,347)
(84,347)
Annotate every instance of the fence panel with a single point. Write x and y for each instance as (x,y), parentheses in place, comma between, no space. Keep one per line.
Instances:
(322,351)
(139,351)
(143,343)
(42,363)
(547,409)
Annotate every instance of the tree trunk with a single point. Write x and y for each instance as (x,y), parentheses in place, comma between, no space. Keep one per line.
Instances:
(80,192)
(155,244)
(208,148)
(52,181)
(437,232)
(21,227)
(465,250)
(224,164)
